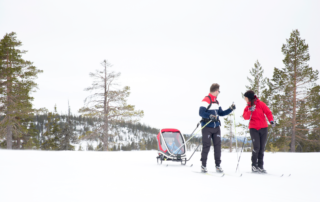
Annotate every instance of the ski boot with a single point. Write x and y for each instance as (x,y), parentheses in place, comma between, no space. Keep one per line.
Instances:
(204,169)
(255,169)
(261,170)
(219,169)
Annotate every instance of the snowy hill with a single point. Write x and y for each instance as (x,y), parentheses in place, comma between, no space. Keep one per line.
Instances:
(47,176)
(122,135)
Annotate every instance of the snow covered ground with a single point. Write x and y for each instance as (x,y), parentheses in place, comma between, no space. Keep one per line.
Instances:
(41,176)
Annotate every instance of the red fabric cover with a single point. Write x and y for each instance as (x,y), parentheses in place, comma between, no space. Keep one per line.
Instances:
(207,100)
(258,120)
(169,130)
(165,130)
(159,142)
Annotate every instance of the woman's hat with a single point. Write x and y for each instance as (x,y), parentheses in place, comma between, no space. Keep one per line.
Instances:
(249,94)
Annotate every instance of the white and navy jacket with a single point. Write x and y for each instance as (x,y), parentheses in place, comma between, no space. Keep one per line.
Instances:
(215,109)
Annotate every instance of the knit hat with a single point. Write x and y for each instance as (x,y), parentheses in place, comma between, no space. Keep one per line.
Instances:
(249,94)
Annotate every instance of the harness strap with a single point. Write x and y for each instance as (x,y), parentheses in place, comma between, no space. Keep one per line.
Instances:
(207,120)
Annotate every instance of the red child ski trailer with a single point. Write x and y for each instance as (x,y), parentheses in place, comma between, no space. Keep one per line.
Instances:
(171,146)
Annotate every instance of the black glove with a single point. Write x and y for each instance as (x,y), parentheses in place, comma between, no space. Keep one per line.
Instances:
(233,107)
(252,108)
(273,124)
(213,118)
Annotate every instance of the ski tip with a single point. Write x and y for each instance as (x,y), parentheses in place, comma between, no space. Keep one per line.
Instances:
(241,175)
(281,175)
(222,175)
(289,175)
(191,165)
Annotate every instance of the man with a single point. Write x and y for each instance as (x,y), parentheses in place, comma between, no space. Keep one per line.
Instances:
(210,112)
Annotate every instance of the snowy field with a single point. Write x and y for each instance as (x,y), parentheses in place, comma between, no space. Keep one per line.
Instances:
(41,176)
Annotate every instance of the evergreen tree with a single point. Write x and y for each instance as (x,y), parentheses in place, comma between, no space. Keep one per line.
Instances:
(50,139)
(313,101)
(31,139)
(107,103)
(142,144)
(89,147)
(228,124)
(292,85)
(258,82)
(16,83)
(80,148)
(68,136)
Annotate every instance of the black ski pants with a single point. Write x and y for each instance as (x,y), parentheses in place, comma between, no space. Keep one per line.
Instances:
(207,135)
(259,140)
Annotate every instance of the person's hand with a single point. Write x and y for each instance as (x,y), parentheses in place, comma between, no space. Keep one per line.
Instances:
(213,118)
(252,108)
(273,124)
(233,106)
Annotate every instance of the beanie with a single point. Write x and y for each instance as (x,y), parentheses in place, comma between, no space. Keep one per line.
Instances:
(249,94)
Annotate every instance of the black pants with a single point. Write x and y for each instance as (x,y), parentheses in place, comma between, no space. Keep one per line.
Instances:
(259,140)
(207,135)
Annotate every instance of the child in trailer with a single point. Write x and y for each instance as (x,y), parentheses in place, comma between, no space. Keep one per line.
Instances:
(256,111)
(172,147)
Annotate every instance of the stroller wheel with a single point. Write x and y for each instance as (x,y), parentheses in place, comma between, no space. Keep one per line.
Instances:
(183,161)
(159,159)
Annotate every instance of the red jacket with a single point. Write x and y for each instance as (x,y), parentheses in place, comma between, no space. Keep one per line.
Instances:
(258,119)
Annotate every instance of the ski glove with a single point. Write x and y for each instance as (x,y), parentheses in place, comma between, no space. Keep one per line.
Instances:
(233,107)
(252,108)
(213,118)
(273,124)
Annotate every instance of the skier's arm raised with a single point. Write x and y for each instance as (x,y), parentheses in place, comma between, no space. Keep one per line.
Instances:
(226,112)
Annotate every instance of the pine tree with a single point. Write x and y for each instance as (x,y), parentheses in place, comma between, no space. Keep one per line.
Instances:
(80,148)
(31,139)
(228,124)
(258,82)
(107,103)
(16,84)
(68,136)
(50,139)
(292,85)
(313,101)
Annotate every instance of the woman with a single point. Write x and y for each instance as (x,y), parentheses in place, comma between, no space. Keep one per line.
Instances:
(255,112)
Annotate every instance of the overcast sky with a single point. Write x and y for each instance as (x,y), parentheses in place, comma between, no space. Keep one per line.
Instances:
(168,52)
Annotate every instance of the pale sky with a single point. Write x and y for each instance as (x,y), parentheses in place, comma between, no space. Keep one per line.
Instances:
(168,52)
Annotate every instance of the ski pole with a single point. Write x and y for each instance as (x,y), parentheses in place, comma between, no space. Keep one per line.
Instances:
(240,154)
(243,145)
(235,131)
(193,136)
(194,151)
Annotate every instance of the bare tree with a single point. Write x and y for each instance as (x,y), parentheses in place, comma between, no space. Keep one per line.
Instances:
(107,103)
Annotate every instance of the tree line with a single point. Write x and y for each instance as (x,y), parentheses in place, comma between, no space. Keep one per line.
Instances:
(106,103)
(293,96)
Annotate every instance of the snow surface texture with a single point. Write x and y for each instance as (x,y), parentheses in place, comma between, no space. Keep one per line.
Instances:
(43,176)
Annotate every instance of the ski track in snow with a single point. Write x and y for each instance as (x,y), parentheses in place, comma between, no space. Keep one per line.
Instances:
(44,176)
